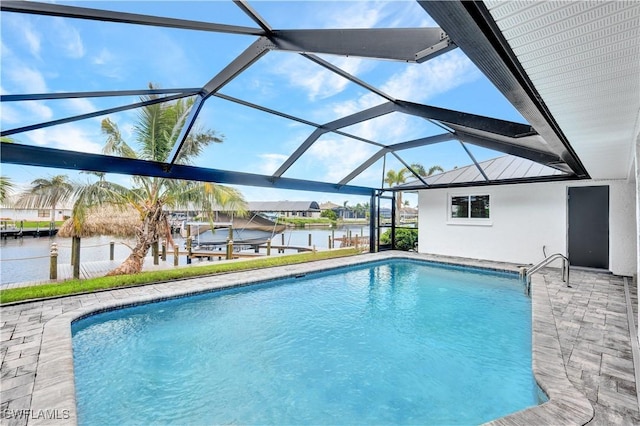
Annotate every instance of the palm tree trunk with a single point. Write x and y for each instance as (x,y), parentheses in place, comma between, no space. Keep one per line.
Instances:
(146,235)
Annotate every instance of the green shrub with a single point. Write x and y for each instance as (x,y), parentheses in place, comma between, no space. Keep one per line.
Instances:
(329,214)
(406,239)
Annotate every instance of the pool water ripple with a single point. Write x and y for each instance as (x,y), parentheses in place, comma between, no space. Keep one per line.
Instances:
(389,343)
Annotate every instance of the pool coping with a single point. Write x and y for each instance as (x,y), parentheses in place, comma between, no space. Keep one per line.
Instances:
(54,384)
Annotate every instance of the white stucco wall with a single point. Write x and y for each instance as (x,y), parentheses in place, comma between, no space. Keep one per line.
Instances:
(524,218)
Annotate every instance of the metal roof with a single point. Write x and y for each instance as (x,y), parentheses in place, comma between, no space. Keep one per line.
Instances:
(577,88)
(505,169)
(283,206)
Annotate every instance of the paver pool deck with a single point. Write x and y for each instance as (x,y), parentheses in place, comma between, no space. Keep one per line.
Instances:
(583,343)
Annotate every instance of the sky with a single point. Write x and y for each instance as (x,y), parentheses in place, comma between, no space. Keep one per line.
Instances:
(50,54)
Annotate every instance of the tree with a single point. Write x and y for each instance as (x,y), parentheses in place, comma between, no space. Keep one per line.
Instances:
(421,171)
(396,178)
(329,214)
(361,210)
(47,193)
(156,132)
(6,188)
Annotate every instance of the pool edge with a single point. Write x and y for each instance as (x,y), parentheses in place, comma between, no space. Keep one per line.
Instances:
(54,384)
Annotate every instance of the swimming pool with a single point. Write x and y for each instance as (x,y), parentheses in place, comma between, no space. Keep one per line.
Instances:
(389,342)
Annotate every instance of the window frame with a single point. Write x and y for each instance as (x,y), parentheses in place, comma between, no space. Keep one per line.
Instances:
(468,220)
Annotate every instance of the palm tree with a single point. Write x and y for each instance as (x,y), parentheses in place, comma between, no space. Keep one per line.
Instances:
(6,188)
(156,132)
(396,178)
(47,193)
(421,171)
(434,169)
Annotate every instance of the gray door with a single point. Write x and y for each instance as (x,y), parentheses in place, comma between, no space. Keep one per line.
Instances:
(589,226)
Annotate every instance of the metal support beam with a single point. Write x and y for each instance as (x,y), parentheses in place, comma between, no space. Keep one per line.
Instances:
(492,125)
(471,27)
(186,129)
(101,94)
(89,115)
(249,56)
(251,13)
(401,44)
(517,150)
(480,169)
(397,147)
(372,223)
(408,167)
(298,152)
(342,73)
(364,166)
(50,9)
(416,143)
(71,160)
(334,125)
(291,117)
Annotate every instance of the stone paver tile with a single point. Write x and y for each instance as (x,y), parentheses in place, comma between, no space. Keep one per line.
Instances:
(623,403)
(618,367)
(16,392)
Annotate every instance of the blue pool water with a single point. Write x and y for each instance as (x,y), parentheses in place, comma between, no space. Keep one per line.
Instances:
(398,342)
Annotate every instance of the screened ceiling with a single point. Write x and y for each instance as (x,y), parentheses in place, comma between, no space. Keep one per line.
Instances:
(313,96)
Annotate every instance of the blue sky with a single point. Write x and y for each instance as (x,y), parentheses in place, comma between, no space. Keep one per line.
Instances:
(49,54)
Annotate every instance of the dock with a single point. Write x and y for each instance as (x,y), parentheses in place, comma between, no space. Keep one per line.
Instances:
(16,233)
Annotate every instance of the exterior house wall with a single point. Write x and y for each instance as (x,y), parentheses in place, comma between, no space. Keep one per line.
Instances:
(524,218)
(32,214)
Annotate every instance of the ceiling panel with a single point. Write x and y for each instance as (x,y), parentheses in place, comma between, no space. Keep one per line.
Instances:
(584,60)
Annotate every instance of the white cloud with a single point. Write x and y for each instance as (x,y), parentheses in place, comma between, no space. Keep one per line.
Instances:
(353,14)
(103,57)
(108,64)
(38,111)
(416,83)
(25,78)
(70,137)
(32,39)
(25,34)
(269,163)
(324,155)
(316,81)
(420,82)
(80,105)
(68,38)
(9,114)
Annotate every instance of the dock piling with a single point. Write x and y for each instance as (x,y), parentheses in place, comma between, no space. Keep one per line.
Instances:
(53,263)
(112,246)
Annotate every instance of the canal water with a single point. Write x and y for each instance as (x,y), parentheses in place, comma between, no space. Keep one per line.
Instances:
(27,259)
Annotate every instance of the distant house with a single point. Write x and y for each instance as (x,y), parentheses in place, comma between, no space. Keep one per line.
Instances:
(309,209)
(12,214)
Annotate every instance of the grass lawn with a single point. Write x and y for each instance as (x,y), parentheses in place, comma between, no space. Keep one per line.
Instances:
(70,287)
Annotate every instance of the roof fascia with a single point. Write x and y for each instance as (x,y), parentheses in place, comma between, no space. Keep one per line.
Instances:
(471,27)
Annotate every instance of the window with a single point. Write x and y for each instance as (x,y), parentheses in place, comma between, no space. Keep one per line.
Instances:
(470,207)
(44,213)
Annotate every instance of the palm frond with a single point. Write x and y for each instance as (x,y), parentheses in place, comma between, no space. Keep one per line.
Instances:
(46,193)
(6,188)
